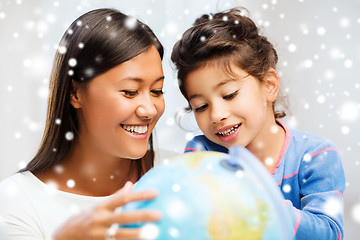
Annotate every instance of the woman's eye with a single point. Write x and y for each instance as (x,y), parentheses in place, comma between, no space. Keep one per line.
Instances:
(130,93)
(231,95)
(157,93)
(201,108)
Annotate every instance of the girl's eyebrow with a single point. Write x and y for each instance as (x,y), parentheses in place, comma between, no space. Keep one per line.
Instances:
(241,78)
(225,82)
(194,96)
(215,87)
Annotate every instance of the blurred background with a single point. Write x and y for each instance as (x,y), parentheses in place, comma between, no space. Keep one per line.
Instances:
(318,43)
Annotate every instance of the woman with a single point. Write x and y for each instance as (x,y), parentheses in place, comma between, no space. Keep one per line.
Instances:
(105,99)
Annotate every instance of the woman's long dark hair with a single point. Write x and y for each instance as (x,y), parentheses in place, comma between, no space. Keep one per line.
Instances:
(94,43)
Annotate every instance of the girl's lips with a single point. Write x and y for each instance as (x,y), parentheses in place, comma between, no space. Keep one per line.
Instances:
(228,133)
(227,129)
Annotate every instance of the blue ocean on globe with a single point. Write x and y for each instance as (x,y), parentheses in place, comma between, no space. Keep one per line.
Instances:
(214,196)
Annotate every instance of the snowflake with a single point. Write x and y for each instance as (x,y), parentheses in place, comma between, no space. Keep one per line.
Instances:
(344,22)
(62,49)
(356,212)
(349,112)
(286,188)
(292,47)
(70,183)
(174,232)
(345,130)
(308,63)
(17,135)
(149,231)
(321,99)
(170,121)
(69,136)
(72,62)
(307,157)
(130,22)
(269,161)
(176,187)
(348,63)
(321,31)
(189,136)
(333,207)
(177,209)
(89,72)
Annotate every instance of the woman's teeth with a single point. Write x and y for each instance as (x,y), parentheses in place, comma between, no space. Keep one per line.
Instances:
(135,129)
(229,131)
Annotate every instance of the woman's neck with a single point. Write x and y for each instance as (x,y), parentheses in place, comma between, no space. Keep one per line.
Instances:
(88,172)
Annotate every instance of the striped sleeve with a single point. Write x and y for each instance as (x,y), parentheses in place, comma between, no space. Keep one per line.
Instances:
(322,183)
(195,145)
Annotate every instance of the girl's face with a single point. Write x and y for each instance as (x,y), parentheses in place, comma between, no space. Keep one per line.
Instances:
(119,108)
(229,110)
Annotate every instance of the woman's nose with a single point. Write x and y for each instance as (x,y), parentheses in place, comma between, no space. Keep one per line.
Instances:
(146,109)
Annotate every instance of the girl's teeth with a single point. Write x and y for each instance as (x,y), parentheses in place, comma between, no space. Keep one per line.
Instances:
(136,129)
(229,131)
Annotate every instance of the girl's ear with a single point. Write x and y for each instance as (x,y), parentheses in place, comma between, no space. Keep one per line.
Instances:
(272,85)
(74,95)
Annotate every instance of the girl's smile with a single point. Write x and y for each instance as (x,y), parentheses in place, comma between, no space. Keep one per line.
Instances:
(229,133)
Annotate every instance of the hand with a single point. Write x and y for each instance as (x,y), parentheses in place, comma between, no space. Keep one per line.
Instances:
(94,223)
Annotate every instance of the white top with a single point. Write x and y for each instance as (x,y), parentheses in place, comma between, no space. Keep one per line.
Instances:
(31,209)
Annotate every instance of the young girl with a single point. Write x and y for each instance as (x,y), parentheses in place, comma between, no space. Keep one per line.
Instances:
(226,71)
(105,99)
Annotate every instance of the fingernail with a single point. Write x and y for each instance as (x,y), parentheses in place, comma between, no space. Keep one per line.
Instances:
(151,194)
(128,185)
(157,215)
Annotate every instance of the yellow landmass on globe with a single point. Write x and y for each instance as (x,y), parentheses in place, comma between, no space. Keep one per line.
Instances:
(195,159)
(229,219)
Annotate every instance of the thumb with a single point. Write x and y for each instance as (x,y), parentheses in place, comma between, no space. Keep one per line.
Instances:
(113,201)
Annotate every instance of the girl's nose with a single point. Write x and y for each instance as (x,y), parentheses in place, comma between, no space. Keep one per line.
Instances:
(217,114)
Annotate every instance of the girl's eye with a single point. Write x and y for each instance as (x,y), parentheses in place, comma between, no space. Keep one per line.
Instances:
(130,93)
(231,95)
(157,93)
(201,108)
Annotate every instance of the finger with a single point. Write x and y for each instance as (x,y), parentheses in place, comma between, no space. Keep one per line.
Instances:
(123,197)
(139,216)
(136,233)
(125,189)
(119,233)
(128,233)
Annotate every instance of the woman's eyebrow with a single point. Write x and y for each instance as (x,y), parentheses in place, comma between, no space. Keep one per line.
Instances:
(136,79)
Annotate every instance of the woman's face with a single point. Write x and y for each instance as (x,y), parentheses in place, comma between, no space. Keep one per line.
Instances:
(119,108)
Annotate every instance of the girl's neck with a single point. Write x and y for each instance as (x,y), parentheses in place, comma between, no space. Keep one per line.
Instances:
(268,144)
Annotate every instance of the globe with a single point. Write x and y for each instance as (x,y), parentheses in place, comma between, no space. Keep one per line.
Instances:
(213,195)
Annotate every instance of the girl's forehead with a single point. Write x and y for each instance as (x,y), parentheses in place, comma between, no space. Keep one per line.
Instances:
(224,66)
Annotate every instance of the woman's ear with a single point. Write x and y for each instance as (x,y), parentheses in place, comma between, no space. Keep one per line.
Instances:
(74,95)
(272,85)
